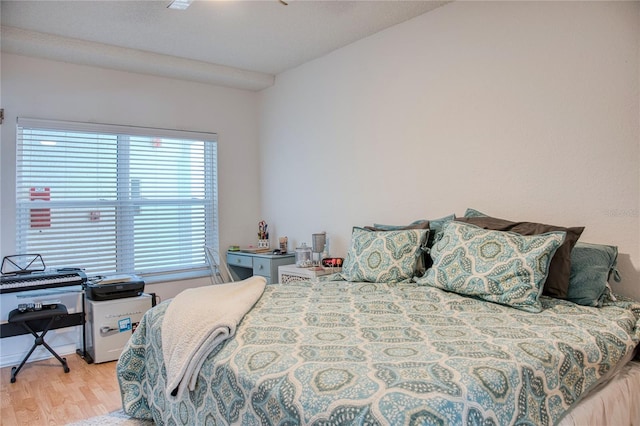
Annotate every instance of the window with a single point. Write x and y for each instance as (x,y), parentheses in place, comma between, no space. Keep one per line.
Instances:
(116,199)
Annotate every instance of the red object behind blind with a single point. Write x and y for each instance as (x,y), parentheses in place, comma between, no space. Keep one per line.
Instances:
(40,218)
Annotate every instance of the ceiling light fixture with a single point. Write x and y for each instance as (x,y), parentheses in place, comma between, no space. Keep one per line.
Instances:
(179,4)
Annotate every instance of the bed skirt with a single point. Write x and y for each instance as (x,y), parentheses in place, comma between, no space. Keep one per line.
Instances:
(613,404)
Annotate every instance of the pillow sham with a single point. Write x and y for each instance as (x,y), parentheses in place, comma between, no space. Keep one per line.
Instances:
(424,261)
(557,282)
(383,256)
(592,265)
(496,266)
(435,232)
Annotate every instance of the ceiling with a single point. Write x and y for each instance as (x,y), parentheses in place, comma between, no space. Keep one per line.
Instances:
(237,43)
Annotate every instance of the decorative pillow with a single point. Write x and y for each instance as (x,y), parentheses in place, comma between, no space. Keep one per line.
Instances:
(424,261)
(557,282)
(383,256)
(435,232)
(497,266)
(592,265)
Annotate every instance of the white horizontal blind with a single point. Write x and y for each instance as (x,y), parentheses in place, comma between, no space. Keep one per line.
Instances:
(115,199)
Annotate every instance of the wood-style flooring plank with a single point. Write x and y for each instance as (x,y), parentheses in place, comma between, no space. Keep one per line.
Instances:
(44,395)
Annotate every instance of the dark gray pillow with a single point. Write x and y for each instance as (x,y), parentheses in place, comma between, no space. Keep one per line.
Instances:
(592,265)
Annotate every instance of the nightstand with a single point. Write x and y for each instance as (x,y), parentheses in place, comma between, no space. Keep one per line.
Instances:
(291,273)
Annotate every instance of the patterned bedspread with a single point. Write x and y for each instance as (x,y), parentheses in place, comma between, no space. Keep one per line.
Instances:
(388,354)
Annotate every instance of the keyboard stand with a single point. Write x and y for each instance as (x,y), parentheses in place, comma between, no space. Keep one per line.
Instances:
(79,318)
(34,322)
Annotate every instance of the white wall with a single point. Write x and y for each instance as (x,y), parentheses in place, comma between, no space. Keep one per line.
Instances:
(523,110)
(53,90)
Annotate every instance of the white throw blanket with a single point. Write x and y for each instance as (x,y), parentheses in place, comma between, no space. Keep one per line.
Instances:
(199,319)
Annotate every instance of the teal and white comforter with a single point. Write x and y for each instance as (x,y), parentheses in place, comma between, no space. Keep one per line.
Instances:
(385,354)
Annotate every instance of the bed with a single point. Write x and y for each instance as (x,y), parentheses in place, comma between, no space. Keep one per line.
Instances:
(383,343)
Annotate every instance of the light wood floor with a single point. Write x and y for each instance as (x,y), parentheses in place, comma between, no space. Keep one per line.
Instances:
(44,395)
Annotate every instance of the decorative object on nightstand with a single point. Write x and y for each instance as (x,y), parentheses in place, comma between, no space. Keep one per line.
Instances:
(333,262)
(292,273)
(263,235)
(303,256)
(317,242)
(283,243)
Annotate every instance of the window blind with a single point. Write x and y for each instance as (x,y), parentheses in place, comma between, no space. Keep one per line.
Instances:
(115,199)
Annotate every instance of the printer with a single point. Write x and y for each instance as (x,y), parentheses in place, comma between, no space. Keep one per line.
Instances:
(114,287)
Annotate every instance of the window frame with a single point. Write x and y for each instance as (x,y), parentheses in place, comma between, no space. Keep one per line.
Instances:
(210,204)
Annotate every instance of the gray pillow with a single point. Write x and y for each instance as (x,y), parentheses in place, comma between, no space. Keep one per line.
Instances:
(592,265)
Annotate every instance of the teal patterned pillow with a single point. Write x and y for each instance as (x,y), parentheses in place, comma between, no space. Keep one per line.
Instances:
(435,232)
(383,256)
(497,266)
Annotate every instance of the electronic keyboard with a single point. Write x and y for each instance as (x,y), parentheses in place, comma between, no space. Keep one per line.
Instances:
(38,280)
